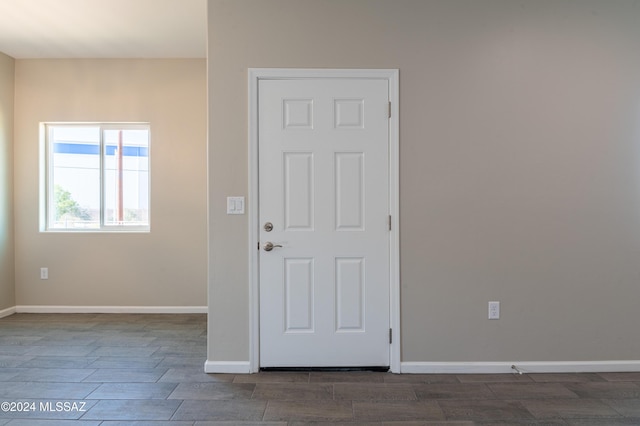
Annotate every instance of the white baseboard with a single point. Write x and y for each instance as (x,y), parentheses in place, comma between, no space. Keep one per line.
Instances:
(230,367)
(7,312)
(524,367)
(45,309)
(242,367)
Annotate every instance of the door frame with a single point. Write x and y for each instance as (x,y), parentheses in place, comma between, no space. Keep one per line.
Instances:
(392,76)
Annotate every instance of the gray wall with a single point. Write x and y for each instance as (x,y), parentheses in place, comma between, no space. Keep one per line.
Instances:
(166,267)
(7,276)
(520,174)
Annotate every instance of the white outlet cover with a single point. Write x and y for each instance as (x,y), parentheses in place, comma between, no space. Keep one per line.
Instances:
(494,310)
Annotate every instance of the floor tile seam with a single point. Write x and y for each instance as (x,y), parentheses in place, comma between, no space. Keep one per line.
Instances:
(443,415)
(158,380)
(46,381)
(167,397)
(506,400)
(100,358)
(121,345)
(133,348)
(264,411)
(397,380)
(613,408)
(604,401)
(31,384)
(55,368)
(253,392)
(486,385)
(578,417)
(586,417)
(521,406)
(353,411)
(574,395)
(492,397)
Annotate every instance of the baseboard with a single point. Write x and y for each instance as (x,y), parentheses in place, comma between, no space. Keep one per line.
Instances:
(46,309)
(230,367)
(523,367)
(7,312)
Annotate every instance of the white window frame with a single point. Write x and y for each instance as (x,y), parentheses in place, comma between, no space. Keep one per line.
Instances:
(46,177)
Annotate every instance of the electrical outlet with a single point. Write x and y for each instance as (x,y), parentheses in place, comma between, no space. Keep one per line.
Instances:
(44,273)
(494,310)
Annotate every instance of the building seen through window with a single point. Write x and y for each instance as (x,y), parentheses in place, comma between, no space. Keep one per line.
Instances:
(97,176)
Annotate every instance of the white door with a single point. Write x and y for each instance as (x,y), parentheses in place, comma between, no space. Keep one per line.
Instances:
(324,188)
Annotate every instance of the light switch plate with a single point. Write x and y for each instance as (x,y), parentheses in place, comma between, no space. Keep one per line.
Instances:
(235,205)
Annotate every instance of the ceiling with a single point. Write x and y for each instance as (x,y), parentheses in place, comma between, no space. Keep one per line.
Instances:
(103,28)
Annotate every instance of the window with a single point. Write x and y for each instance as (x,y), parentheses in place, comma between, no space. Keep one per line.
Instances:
(96,177)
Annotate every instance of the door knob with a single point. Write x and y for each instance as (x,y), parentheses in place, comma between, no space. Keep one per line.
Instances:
(268,246)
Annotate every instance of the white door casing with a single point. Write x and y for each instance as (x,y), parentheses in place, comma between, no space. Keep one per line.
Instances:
(323,168)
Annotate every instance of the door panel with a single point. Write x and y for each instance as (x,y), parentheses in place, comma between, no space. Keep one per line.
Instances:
(350,299)
(323,184)
(349,194)
(298,190)
(298,295)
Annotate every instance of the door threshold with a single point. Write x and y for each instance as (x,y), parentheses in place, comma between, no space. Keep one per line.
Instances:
(327,369)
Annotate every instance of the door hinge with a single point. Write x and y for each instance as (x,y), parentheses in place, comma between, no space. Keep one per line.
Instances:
(258,245)
(389,109)
(389,222)
(390,336)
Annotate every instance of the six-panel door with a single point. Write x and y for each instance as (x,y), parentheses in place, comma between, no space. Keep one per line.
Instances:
(323,184)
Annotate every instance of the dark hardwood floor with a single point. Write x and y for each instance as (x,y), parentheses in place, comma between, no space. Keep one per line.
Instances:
(122,369)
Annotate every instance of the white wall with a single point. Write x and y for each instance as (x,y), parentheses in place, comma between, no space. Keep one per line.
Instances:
(7,277)
(166,267)
(520,174)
